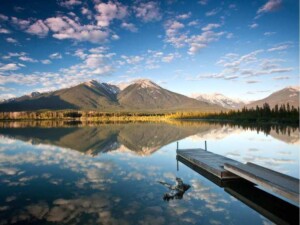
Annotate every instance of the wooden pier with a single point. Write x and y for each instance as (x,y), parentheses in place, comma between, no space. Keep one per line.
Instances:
(224,168)
(270,206)
(278,183)
(209,161)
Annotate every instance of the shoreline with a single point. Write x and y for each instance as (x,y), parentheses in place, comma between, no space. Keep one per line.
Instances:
(129,119)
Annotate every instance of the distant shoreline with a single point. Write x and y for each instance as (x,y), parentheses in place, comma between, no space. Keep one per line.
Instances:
(129,119)
(284,114)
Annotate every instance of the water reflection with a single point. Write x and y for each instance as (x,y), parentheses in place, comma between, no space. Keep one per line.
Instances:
(43,180)
(175,191)
(141,138)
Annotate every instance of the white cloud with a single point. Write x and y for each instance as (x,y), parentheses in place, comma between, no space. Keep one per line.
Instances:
(9,66)
(270,6)
(3,17)
(11,40)
(94,65)
(66,28)
(103,70)
(88,13)
(170,57)
(280,70)
(184,16)
(197,42)
(38,28)
(178,39)
(129,26)
(252,81)
(203,2)
(148,11)
(132,59)
(12,54)
(173,35)
(229,35)
(95,60)
(281,78)
(232,77)
(269,33)
(6,96)
(99,50)
(193,23)
(246,66)
(210,26)
(253,25)
(27,59)
(109,11)
(267,64)
(55,55)
(46,61)
(22,24)
(4,31)
(115,37)
(213,12)
(57,24)
(278,48)
(80,53)
(258,72)
(246,59)
(69,3)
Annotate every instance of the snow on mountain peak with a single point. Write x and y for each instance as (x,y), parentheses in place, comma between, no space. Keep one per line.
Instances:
(108,87)
(146,83)
(111,88)
(220,99)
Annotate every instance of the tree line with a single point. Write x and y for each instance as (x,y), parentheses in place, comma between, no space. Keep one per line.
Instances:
(282,114)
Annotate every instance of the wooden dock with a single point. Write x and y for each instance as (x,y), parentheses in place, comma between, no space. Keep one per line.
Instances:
(209,161)
(225,169)
(277,210)
(278,183)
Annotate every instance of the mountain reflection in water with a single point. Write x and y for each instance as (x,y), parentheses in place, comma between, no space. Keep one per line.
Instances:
(47,175)
(141,138)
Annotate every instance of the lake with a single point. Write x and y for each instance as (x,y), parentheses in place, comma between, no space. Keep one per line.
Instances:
(66,173)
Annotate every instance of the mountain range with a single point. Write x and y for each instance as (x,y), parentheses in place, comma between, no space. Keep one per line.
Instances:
(139,96)
(286,95)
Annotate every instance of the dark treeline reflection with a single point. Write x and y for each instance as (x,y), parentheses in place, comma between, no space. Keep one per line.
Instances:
(265,128)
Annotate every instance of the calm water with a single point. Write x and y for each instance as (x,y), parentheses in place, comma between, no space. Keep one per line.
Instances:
(109,173)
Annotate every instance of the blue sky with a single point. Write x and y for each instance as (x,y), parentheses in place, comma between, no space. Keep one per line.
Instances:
(243,49)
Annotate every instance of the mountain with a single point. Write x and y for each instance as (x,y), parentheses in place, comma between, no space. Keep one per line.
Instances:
(287,95)
(87,95)
(221,100)
(144,94)
(141,95)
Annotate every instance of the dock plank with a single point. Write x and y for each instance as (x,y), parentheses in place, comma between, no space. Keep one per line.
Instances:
(278,183)
(211,162)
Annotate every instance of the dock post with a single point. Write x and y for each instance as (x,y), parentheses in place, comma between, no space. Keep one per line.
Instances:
(177,165)
(177,145)
(205,146)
